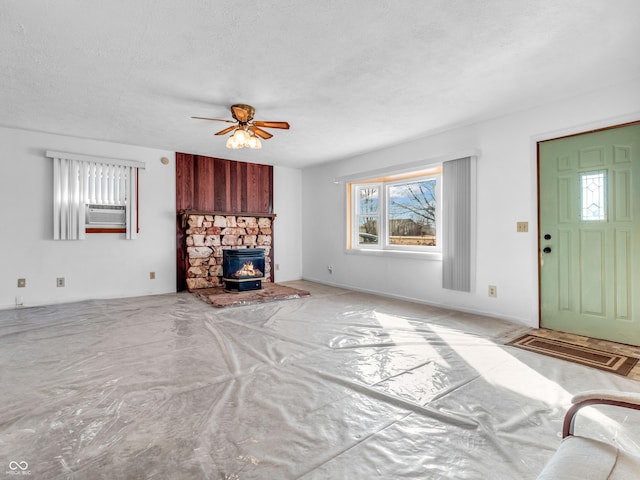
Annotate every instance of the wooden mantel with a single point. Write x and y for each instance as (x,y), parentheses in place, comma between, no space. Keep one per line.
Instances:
(184,215)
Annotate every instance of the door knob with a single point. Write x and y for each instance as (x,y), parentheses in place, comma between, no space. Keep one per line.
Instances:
(547,236)
(546,249)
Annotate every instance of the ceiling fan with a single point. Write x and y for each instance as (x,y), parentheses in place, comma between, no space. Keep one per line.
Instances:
(246,131)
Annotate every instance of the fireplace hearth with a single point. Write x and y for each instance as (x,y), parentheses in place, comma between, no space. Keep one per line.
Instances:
(243,269)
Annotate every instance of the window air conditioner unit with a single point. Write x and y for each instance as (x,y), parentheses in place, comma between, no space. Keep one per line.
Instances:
(106,216)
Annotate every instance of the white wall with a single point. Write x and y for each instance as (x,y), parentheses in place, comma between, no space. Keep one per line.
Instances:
(507,193)
(287,231)
(101,266)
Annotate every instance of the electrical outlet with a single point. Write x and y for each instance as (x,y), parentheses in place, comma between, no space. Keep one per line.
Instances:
(522,227)
(330,268)
(493,291)
(277,266)
(152,275)
(22,282)
(60,282)
(19,302)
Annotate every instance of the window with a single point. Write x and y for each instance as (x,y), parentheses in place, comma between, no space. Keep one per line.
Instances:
(396,212)
(87,188)
(412,213)
(367,214)
(426,213)
(593,195)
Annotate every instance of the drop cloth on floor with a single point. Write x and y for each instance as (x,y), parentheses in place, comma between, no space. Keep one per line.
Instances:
(339,385)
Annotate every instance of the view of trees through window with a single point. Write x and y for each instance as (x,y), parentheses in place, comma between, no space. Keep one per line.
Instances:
(368,207)
(410,213)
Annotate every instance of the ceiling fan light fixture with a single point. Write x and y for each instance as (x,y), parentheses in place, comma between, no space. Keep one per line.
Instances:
(254,142)
(233,143)
(246,132)
(241,136)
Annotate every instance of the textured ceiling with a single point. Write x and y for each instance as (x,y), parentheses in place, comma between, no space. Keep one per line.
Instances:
(349,76)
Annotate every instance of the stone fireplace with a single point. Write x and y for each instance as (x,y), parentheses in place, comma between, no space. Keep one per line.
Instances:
(208,235)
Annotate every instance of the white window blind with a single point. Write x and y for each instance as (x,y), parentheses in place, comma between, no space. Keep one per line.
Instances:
(458,199)
(79,180)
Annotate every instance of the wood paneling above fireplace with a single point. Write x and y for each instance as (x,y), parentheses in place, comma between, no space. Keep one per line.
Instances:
(210,184)
(214,184)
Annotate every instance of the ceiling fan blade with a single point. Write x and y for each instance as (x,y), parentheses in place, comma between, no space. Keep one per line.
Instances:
(226,130)
(216,119)
(259,132)
(240,113)
(283,125)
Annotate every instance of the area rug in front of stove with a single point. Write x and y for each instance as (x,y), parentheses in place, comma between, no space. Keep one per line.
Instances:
(270,292)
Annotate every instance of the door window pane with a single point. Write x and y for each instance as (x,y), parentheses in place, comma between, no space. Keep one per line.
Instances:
(593,192)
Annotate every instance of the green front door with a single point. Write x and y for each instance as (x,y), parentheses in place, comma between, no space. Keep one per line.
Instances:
(589,199)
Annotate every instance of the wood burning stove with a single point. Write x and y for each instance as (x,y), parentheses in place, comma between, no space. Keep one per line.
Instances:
(243,269)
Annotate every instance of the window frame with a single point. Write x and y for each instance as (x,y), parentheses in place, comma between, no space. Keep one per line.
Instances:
(357,215)
(384,185)
(438,214)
